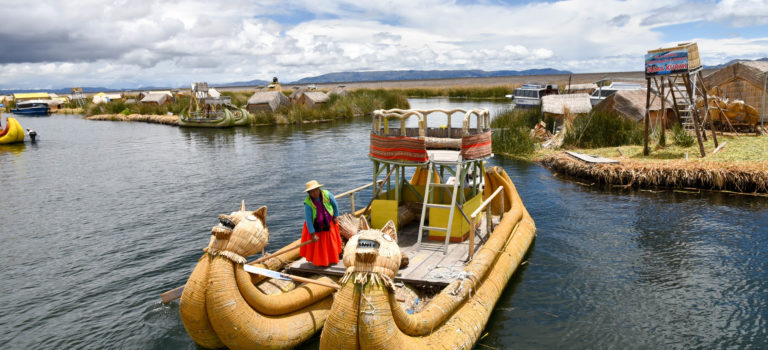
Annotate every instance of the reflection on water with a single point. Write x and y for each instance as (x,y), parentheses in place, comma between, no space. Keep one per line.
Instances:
(99,218)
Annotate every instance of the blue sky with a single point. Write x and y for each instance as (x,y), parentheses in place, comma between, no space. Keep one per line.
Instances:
(137,43)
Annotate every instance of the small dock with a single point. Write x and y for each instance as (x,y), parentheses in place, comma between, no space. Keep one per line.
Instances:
(428,265)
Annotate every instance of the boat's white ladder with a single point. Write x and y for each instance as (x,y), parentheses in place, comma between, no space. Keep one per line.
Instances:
(429,202)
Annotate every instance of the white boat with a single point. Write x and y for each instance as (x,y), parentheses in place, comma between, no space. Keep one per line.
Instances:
(604,91)
(529,95)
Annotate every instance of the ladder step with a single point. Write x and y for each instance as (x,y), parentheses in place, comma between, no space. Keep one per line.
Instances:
(442,185)
(445,206)
(432,228)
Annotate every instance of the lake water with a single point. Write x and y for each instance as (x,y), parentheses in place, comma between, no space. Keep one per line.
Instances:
(99,218)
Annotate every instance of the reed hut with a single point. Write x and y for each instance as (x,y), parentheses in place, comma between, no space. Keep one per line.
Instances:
(559,105)
(267,101)
(103,97)
(156,98)
(297,92)
(340,90)
(743,80)
(630,104)
(312,99)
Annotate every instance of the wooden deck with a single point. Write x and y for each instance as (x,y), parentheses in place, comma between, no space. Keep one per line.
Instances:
(428,265)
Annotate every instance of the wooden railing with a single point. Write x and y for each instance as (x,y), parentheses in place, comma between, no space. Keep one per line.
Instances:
(351,194)
(488,219)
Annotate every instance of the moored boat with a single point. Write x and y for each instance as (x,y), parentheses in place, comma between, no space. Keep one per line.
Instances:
(529,95)
(424,273)
(32,108)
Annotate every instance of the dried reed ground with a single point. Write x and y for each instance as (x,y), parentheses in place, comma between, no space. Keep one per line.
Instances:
(157,119)
(741,166)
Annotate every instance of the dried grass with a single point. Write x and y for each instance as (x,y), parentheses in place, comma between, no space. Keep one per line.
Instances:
(746,178)
(146,118)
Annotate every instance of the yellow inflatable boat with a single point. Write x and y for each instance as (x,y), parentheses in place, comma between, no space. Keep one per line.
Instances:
(12,133)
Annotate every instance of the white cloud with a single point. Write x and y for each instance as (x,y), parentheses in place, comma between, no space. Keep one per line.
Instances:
(154,42)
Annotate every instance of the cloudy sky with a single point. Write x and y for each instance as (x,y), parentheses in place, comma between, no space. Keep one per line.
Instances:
(130,44)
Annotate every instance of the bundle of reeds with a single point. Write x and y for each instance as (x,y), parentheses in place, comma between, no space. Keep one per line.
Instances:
(703,175)
(146,118)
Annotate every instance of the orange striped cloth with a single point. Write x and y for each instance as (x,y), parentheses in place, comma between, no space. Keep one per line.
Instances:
(476,146)
(398,148)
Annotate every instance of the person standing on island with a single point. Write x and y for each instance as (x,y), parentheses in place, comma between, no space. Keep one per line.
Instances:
(320,224)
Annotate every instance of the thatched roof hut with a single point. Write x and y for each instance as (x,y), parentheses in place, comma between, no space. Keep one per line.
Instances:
(297,92)
(157,98)
(557,105)
(340,90)
(630,104)
(742,80)
(267,101)
(312,99)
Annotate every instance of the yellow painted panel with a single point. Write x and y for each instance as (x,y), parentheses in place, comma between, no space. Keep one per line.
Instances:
(383,210)
(438,217)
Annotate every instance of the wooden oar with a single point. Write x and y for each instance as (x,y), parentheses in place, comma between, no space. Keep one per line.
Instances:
(284,276)
(175,293)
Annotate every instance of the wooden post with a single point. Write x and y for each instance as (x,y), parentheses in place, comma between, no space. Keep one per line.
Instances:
(706,108)
(488,221)
(647,115)
(662,135)
(695,114)
(674,100)
(352,202)
(471,238)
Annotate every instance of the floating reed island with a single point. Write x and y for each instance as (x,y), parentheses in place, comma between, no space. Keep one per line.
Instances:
(146,118)
(678,174)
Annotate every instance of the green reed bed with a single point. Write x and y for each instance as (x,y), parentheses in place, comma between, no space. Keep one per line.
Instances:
(602,129)
(511,132)
(493,92)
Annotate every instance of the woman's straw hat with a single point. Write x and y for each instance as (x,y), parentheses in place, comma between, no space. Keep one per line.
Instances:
(312,185)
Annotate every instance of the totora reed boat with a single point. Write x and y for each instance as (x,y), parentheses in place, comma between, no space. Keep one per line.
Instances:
(423,264)
(208,109)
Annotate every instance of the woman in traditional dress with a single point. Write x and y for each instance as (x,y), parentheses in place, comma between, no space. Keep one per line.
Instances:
(320,224)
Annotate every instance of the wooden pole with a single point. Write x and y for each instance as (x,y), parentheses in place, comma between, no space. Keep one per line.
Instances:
(662,135)
(674,99)
(695,114)
(707,115)
(647,115)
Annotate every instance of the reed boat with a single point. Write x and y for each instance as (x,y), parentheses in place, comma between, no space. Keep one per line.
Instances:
(208,109)
(12,133)
(423,264)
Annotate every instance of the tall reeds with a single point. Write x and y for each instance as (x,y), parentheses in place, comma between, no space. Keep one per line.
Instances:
(493,92)
(512,129)
(603,129)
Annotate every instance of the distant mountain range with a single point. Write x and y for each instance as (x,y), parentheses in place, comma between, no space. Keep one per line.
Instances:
(348,77)
(732,62)
(345,77)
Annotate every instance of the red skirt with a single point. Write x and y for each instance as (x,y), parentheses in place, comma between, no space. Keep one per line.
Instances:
(326,250)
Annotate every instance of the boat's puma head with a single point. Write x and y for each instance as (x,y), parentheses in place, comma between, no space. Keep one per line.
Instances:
(239,234)
(373,252)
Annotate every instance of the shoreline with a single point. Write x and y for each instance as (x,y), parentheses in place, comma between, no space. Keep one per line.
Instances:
(738,177)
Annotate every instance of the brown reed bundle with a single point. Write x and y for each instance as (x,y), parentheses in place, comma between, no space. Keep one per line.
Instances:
(676,174)
(146,118)
(348,225)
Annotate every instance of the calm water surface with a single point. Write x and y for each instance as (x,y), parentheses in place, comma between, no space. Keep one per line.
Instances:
(99,218)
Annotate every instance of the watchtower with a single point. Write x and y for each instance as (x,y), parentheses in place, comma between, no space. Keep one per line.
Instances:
(676,74)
